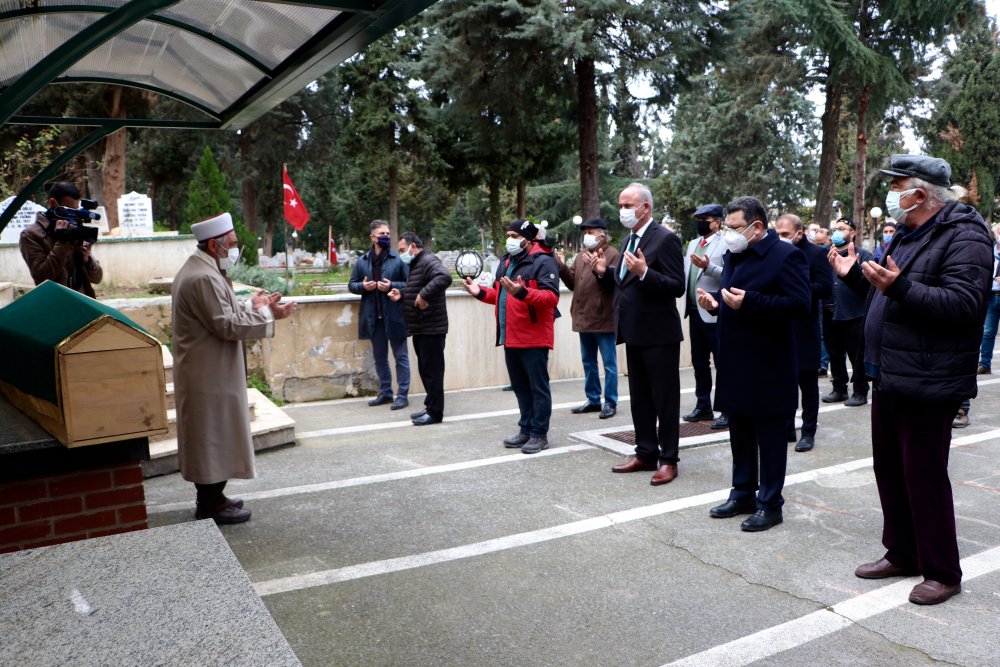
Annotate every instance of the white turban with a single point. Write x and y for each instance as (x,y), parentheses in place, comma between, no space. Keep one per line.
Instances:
(213,227)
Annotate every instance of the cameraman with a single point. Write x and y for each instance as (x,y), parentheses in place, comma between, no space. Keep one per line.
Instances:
(50,257)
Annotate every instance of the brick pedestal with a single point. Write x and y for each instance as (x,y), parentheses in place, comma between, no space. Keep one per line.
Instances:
(92,502)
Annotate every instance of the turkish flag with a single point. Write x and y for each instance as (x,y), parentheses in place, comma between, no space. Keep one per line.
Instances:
(295,211)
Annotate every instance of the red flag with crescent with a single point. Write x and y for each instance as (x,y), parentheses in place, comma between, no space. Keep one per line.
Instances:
(295,211)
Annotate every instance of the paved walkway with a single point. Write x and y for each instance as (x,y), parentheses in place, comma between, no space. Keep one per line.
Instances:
(374,542)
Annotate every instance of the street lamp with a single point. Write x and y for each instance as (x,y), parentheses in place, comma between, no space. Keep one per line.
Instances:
(577,220)
(875,214)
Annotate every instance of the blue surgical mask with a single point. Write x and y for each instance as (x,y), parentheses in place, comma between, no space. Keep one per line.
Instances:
(886,239)
(406,257)
(892,204)
(839,238)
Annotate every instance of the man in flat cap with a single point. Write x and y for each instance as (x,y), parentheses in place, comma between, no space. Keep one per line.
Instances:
(593,317)
(926,303)
(525,294)
(703,268)
(843,328)
(210,381)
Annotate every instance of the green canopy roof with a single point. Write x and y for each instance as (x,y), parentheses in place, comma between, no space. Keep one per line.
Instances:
(33,326)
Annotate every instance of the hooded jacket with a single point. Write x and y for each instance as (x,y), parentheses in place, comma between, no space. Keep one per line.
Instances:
(530,315)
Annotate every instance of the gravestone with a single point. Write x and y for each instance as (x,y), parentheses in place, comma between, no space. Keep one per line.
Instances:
(24,217)
(135,215)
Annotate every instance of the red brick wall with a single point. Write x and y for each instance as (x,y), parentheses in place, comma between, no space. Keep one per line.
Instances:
(40,511)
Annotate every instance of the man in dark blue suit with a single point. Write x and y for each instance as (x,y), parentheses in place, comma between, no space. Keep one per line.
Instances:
(648,279)
(765,287)
(789,229)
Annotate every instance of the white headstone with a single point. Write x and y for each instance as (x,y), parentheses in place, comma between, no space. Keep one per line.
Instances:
(135,215)
(24,217)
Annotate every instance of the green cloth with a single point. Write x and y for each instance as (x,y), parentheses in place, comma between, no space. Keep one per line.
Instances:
(32,327)
(631,248)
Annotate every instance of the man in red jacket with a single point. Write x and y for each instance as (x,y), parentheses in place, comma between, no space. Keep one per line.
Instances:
(525,293)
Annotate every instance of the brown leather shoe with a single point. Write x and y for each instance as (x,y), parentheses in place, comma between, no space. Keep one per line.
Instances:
(882,569)
(933,592)
(633,464)
(664,474)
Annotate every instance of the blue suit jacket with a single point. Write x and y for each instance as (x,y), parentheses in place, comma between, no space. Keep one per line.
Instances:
(757,367)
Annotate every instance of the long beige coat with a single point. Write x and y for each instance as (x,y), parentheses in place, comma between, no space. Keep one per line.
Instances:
(210,383)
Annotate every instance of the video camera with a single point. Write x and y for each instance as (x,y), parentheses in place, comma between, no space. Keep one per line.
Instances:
(78,230)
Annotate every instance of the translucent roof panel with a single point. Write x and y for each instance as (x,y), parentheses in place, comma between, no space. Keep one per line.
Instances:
(232,59)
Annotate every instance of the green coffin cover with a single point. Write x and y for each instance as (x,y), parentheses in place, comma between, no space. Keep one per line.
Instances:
(33,326)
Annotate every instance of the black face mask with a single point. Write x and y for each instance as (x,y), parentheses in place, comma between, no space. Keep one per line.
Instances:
(383,241)
(704,227)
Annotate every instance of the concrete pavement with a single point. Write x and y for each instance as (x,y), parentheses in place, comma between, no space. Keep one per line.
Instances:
(374,542)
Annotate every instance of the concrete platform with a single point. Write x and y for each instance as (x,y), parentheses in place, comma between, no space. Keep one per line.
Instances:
(374,542)
(167,596)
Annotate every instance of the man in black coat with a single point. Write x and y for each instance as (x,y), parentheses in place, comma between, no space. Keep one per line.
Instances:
(923,323)
(765,288)
(426,321)
(807,335)
(649,277)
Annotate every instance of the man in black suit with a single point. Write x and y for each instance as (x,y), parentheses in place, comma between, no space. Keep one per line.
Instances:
(649,277)
(765,287)
(789,229)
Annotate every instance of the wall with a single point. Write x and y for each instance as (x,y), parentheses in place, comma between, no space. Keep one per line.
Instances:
(316,355)
(126,262)
(46,510)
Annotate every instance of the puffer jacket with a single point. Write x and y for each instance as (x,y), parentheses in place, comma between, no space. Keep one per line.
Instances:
(932,323)
(531,315)
(429,279)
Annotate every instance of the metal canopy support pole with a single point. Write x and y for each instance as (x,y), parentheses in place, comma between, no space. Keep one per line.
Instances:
(53,169)
(57,62)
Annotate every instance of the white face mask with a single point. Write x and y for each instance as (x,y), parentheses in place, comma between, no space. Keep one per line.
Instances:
(892,204)
(788,241)
(514,246)
(405,257)
(627,217)
(229,261)
(590,241)
(812,236)
(736,241)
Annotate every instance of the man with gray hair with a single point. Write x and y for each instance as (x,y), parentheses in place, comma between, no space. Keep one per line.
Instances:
(923,327)
(649,277)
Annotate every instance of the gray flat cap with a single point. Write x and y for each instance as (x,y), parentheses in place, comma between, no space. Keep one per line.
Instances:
(931,169)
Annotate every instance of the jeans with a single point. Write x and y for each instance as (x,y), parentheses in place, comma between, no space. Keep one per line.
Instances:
(529,376)
(990,331)
(380,350)
(590,343)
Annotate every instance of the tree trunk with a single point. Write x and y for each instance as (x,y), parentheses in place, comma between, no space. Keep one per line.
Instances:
(113,167)
(860,161)
(586,86)
(393,187)
(495,225)
(828,156)
(522,206)
(249,185)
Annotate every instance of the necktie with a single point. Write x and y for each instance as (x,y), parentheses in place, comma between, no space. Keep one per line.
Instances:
(632,241)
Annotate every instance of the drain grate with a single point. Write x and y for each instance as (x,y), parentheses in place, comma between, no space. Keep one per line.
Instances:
(684,430)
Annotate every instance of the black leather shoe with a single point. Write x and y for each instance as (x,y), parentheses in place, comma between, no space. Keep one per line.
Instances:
(855,400)
(821,373)
(516,440)
(234,502)
(699,416)
(380,400)
(835,397)
(762,520)
(731,508)
(400,403)
(586,407)
(425,419)
(805,443)
(721,423)
(609,411)
(226,516)
(416,415)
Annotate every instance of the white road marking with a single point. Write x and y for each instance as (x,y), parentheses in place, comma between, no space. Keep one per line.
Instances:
(375,568)
(789,635)
(385,477)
